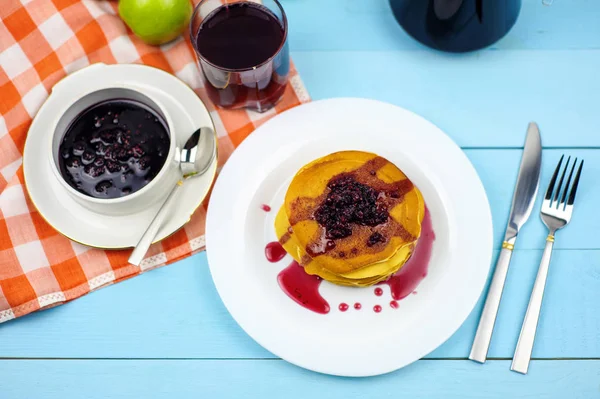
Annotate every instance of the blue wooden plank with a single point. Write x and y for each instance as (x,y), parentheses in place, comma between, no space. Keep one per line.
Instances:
(335,25)
(175,312)
(481,99)
(569,324)
(27,379)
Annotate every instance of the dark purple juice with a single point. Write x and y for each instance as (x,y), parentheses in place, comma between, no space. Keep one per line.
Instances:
(240,36)
(114,148)
(243,54)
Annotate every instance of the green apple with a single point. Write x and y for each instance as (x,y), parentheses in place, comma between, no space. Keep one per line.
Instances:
(156,21)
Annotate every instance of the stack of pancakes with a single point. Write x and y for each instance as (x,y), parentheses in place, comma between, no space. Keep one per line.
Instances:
(352,218)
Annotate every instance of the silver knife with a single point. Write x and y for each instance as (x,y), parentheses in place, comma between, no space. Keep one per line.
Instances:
(523,199)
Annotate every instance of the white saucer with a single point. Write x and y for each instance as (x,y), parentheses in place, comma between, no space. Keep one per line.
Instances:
(65,214)
(355,342)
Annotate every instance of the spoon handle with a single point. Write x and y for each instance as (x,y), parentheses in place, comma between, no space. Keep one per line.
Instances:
(150,234)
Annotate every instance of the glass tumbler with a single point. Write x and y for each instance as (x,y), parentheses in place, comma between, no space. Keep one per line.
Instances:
(243,52)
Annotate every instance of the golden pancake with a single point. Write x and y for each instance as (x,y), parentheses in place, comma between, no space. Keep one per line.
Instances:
(351,218)
(366,276)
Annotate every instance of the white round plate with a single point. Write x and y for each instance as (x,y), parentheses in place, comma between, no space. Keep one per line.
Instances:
(78,223)
(351,343)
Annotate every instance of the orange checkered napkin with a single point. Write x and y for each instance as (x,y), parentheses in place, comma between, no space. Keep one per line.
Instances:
(40,42)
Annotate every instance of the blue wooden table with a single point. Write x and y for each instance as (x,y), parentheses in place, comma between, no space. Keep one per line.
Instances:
(167,334)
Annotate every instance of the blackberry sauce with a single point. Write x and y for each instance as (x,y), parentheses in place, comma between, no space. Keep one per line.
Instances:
(114,148)
(350,202)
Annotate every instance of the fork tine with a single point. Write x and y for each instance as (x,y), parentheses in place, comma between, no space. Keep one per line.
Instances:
(560,182)
(571,199)
(550,189)
(567,184)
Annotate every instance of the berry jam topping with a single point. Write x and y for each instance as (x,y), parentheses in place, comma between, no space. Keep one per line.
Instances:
(102,157)
(349,202)
(375,238)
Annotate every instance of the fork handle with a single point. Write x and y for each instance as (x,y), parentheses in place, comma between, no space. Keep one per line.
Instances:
(522,356)
(483,337)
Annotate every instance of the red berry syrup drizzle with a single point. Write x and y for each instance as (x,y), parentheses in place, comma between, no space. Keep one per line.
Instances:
(274,252)
(404,282)
(303,288)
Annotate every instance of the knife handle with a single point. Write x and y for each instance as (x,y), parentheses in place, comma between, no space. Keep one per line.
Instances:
(483,337)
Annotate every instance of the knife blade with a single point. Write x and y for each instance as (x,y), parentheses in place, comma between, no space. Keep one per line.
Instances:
(526,189)
(528,182)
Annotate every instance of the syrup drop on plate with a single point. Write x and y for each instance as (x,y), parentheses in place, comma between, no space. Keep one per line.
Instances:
(265,208)
(377,308)
(404,282)
(274,252)
(378,291)
(343,307)
(303,288)
(394,304)
(357,306)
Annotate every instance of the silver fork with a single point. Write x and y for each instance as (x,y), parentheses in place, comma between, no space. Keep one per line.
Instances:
(556,212)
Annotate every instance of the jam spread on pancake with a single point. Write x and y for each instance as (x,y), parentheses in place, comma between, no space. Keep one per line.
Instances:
(352,218)
(351,199)
(375,238)
(349,202)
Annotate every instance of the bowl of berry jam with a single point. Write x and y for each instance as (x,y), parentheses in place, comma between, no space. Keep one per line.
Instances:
(114,151)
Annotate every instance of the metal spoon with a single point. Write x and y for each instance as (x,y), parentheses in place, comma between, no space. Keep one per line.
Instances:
(195,158)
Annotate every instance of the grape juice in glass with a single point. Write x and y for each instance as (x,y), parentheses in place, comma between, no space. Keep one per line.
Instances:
(242,50)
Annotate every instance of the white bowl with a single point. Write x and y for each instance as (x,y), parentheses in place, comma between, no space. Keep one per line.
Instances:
(56,204)
(155,190)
